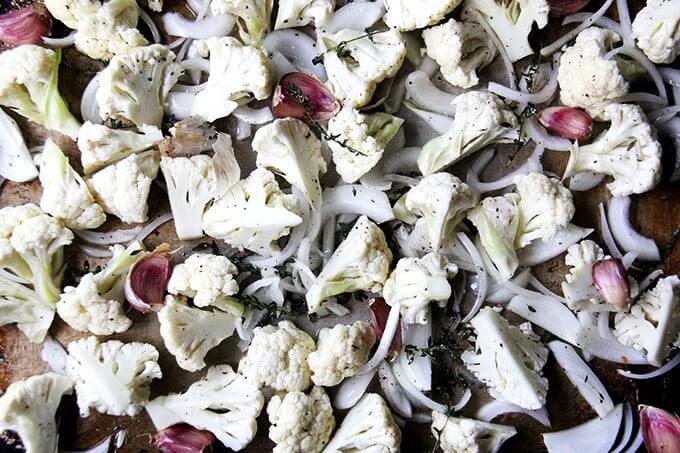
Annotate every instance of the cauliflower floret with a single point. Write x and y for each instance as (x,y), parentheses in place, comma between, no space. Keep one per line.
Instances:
(289,148)
(578,287)
(135,84)
(356,63)
(253,214)
(508,359)
(341,352)
(29,86)
(656,30)
(653,322)
(64,192)
(416,282)
(367,427)
(628,152)
(237,74)
(277,358)
(70,12)
(482,118)
(28,408)
(359,140)
(361,262)
(123,188)
(407,15)
(586,77)
(189,333)
(252,16)
(208,279)
(112,377)
(300,422)
(465,435)
(24,307)
(16,164)
(460,49)
(298,13)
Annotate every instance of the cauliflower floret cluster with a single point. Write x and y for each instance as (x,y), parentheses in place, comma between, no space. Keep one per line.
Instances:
(656,30)
(578,287)
(407,15)
(252,16)
(208,279)
(465,435)
(298,13)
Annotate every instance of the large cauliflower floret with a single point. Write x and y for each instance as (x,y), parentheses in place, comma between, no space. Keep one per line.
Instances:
(578,287)
(653,323)
(586,77)
(135,84)
(123,188)
(112,377)
(28,408)
(223,402)
(361,262)
(465,435)
(508,359)
(277,358)
(300,422)
(460,49)
(408,15)
(628,152)
(341,352)
(360,140)
(208,279)
(69,12)
(253,214)
(356,63)
(416,282)
(656,30)
(298,13)
(290,149)
(481,119)
(252,16)
(238,73)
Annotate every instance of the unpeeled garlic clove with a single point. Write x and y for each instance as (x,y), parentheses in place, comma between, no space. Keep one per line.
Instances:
(567,122)
(25,25)
(611,281)
(183,438)
(561,8)
(147,280)
(660,430)
(304,97)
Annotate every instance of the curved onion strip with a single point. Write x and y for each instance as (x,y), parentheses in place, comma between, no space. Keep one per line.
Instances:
(543,95)
(493,409)
(645,98)
(176,43)
(298,48)
(603,325)
(624,19)
(532,164)
(536,283)
(671,364)
(202,28)
(628,259)
(108,237)
(254,116)
(356,199)
(152,226)
(595,436)
(243,130)
(352,389)
(355,16)
(499,294)
(627,429)
(54,354)
(638,56)
(420,368)
(603,22)
(438,122)
(541,137)
(89,108)
(421,417)
(540,251)
(509,67)
(607,234)
(95,251)
(581,182)
(557,45)
(102,447)
(58,43)
(402,161)
(482,280)
(153,28)
(201,64)
(647,281)
(375,179)
(181,88)
(425,95)
(482,161)
(385,340)
(638,440)
(664,115)
(393,392)
(281,65)
(510,285)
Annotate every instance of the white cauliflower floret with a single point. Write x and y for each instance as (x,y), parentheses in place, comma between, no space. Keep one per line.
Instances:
(71,11)
(653,323)
(363,62)
(252,16)
(481,119)
(65,194)
(298,13)
(359,140)
(656,30)
(16,164)
(586,77)
(189,333)
(288,148)
(300,422)
(508,359)
(253,214)
(367,427)
(341,352)
(223,402)
(123,188)
(28,408)
(135,84)
(465,435)
(460,49)
(628,152)
(112,377)
(208,279)
(361,262)
(407,15)
(578,287)
(277,358)
(238,73)
(416,282)
(24,307)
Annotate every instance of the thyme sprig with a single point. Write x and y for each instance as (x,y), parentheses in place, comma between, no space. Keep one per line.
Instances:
(341,48)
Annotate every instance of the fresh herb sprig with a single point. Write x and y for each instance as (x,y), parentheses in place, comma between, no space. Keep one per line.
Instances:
(341,49)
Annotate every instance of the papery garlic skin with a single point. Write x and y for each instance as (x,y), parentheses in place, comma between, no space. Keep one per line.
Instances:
(611,281)
(567,122)
(660,430)
(183,438)
(25,26)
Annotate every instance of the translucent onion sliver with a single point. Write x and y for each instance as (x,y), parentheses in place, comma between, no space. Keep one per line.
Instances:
(393,392)
(493,409)
(352,389)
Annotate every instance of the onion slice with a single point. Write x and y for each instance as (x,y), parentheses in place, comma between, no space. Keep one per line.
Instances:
(425,95)
(147,280)
(152,226)
(482,280)
(671,364)
(618,215)
(355,16)
(352,389)
(108,237)
(557,45)
(393,392)
(390,330)
(55,355)
(607,234)
(540,251)
(493,409)
(595,436)
(214,26)
(153,28)
(298,48)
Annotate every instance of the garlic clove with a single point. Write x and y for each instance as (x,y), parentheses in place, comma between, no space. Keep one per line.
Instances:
(147,280)
(611,281)
(562,8)
(379,314)
(183,438)
(567,122)
(304,97)
(660,430)
(25,25)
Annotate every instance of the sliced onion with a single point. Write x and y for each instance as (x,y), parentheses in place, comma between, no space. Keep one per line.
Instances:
(55,355)
(243,130)
(58,43)
(179,105)
(108,237)
(393,392)
(214,26)
(493,409)
(536,283)
(627,428)
(425,95)
(664,115)
(638,440)
(624,19)
(532,164)
(419,367)
(281,65)
(499,294)
(89,108)
(639,57)
(595,436)
(644,98)
(356,199)
(541,137)
(603,22)
(581,182)
(402,161)
(607,234)
(540,251)
(647,281)
(147,281)
(482,280)
(670,365)
(543,95)
(557,45)
(254,116)
(603,325)
(95,251)
(152,226)
(510,285)
(298,48)
(355,16)
(438,122)
(102,447)
(182,88)
(153,28)
(352,389)
(391,327)
(196,63)
(502,51)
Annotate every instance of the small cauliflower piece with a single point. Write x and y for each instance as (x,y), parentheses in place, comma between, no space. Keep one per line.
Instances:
(24,307)
(656,30)
(508,359)
(586,77)
(277,358)
(238,73)
(16,164)
(364,62)
(367,427)
(123,188)
(465,435)
(252,16)
(28,408)
(298,13)
(653,323)
(253,214)
(288,148)
(300,422)
(135,84)
(361,262)
(460,49)
(578,287)
(341,352)
(628,152)
(71,11)
(208,279)
(416,282)
(481,119)
(408,15)
(112,377)
(359,140)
